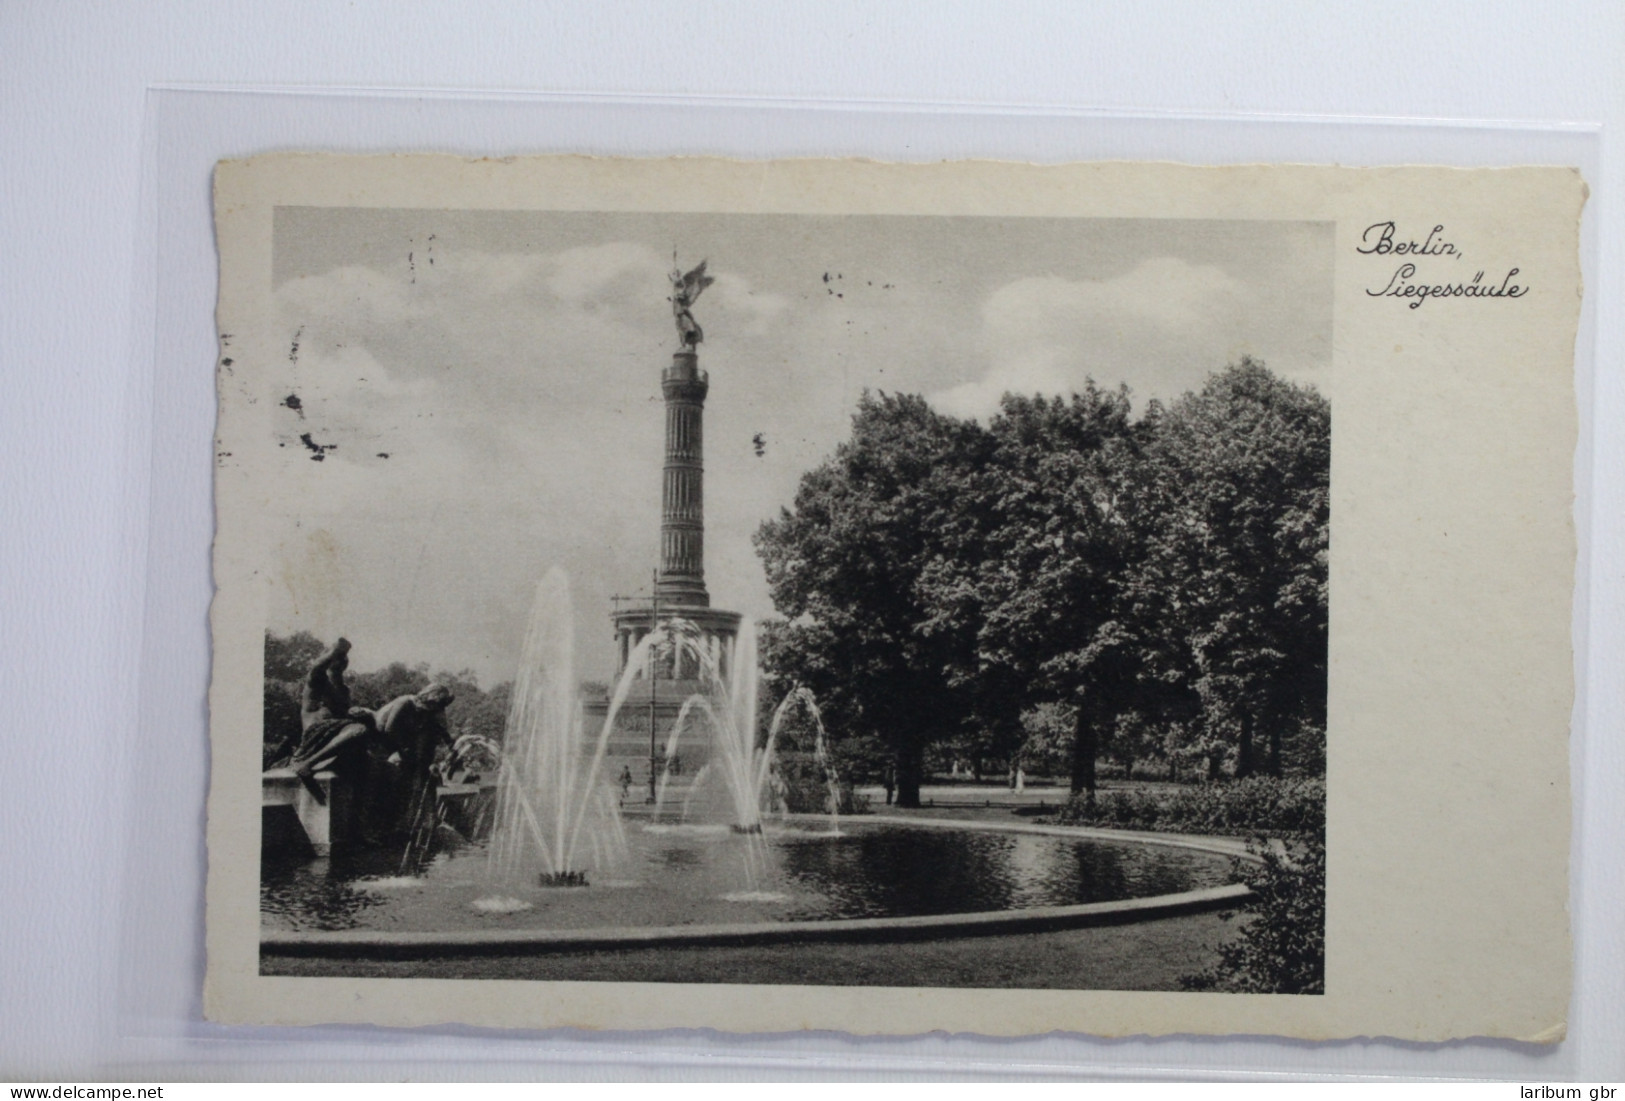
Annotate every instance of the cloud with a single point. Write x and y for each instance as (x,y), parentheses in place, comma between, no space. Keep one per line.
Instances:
(516,395)
(754,311)
(488,415)
(1163,324)
(577,274)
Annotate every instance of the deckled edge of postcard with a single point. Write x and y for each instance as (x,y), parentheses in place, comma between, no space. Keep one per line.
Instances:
(1451,683)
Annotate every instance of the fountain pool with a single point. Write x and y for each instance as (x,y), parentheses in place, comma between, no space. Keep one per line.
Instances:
(678,877)
(563,866)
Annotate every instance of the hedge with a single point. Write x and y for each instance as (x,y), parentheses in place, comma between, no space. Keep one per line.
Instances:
(1258,804)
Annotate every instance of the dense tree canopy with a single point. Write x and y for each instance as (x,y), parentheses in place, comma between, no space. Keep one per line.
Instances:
(845,568)
(1161,582)
(1231,582)
(289,657)
(1063,583)
(1060,491)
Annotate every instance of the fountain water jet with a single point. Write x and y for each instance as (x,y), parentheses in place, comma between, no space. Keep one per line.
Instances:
(558,821)
(554,819)
(832,782)
(744,759)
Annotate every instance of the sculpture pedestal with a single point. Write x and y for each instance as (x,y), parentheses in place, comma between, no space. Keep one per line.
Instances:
(290,815)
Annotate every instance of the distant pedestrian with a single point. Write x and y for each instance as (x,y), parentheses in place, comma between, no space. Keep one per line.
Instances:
(626,781)
(888,779)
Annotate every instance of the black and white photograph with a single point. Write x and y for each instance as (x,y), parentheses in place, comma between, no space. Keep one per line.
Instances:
(649,589)
(898,601)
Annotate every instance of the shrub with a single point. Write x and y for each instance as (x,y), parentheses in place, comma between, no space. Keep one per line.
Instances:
(1129,810)
(1281,949)
(1109,770)
(805,787)
(1157,770)
(1258,804)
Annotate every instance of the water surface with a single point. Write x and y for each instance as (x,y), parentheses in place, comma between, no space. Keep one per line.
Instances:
(710,876)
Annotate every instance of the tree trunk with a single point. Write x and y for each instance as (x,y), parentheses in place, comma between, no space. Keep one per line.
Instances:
(1085,744)
(910,765)
(1271,716)
(1244,752)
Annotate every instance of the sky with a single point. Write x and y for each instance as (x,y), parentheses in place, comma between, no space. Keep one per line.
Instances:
(484,386)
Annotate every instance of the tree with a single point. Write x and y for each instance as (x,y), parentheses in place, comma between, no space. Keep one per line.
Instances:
(280,728)
(287,661)
(1047,748)
(289,658)
(1057,508)
(1230,590)
(1162,581)
(374,689)
(845,569)
(484,713)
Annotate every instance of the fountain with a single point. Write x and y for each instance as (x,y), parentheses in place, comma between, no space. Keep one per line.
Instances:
(554,818)
(743,867)
(728,871)
(744,759)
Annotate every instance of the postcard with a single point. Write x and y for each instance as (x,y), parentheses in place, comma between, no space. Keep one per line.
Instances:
(1116,598)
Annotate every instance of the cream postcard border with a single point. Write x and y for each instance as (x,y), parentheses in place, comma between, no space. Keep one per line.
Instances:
(1452,564)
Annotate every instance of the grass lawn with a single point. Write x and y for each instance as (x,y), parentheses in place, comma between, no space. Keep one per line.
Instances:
(1150,955)
(964,793)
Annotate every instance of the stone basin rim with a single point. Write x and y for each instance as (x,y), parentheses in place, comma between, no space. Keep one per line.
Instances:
(384,944)
(1223,846)
(371,944)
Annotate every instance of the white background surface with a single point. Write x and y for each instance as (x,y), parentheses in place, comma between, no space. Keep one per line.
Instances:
(99,598)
